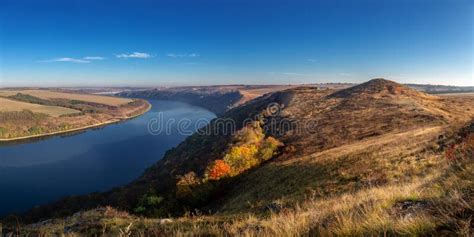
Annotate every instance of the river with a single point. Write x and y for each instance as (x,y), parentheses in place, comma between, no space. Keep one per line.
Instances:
(38,171)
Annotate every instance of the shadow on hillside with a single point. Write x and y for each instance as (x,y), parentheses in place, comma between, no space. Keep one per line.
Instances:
(287,184)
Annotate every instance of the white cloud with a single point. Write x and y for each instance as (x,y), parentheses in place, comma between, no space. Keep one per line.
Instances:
(134,55)
(344,74)
(312,60)
(294,74)
(191,55)
(72,60)
(93,58)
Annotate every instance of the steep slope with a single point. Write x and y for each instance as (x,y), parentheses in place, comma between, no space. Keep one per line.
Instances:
(194,154)
(375,134)
(213,99)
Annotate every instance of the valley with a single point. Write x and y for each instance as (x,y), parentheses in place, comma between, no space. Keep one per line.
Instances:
(377,158)
(236,118)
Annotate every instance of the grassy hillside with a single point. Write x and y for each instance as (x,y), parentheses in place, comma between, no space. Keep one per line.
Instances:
(378,158)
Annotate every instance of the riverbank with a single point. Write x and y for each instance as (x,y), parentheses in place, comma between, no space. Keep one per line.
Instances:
(108,122)
(93,160)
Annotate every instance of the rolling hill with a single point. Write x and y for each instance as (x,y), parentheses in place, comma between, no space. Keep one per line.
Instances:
(366,160)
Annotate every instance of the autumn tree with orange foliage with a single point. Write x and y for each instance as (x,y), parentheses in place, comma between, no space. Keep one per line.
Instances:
(218,170)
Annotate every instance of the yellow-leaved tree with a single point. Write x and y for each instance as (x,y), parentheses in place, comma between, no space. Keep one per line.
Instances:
(241,158)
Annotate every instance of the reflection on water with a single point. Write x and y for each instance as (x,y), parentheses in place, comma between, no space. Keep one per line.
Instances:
(45,169)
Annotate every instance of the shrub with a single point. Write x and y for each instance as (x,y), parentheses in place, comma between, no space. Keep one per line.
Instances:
(3,131)
(35,130)
(191,191)
(150,205)
(268,148)
(462,150)
(450,153)
(469,146)
(185,184)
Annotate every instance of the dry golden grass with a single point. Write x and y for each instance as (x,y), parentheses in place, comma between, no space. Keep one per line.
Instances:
(7,105)
(390,158)
(366,212)
(46,94)
(432,206)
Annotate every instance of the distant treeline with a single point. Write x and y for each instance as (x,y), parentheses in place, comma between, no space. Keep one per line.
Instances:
(83,106)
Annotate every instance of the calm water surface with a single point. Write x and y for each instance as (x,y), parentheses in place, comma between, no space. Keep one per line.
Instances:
(38,172)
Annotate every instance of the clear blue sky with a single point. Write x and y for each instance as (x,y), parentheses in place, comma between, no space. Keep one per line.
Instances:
(194,42)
